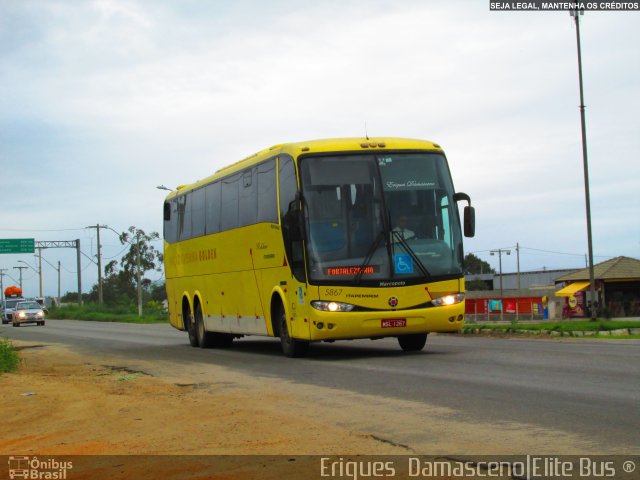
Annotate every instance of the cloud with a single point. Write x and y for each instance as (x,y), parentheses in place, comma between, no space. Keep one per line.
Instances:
(107,99)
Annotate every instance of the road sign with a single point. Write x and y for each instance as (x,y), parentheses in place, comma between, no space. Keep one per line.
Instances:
(17,245)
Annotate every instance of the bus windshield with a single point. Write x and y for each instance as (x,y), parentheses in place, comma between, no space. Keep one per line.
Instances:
(385,217)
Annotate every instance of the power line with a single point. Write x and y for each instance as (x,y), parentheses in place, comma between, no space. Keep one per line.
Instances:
(564,253)
(117,254)
(544,251)
(40,230)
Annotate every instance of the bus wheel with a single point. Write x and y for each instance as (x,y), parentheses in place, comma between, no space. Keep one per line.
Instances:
(413,342)
(290,346)
(191,327)
(204,338)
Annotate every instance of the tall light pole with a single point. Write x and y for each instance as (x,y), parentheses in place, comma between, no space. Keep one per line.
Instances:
(58,269)
(21,268)
(500,251)
(40,270)
(98,227)
(576,15)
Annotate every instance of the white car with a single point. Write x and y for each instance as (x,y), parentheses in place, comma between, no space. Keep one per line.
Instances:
(9,306)
(28,312)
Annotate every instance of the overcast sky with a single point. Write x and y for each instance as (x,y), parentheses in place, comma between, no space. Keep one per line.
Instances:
(101,101)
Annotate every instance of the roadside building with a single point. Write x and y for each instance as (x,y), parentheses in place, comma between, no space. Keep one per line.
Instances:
(617,283)
(534,299)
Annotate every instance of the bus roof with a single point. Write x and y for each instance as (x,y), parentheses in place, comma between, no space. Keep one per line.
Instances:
(315,146)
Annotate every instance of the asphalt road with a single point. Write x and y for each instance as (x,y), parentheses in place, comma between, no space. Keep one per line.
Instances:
(588,388)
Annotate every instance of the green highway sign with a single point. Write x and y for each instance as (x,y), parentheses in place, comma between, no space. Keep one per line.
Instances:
(17,245)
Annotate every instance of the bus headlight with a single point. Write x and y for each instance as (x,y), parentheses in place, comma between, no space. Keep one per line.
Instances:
(332,306)
(448,300)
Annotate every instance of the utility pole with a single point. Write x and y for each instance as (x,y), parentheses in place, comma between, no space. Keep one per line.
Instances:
(138,275)
(518,263)
(576,16)
(40,269)
(58,283)
(500,251)
(79,271)
(98,227)
(58,270)
(21,268)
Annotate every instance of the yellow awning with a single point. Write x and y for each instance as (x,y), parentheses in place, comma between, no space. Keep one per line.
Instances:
(572,288)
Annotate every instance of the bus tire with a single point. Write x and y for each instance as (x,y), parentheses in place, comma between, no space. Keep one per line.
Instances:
(413,342)
(290,346)
(204,338)
(190,326)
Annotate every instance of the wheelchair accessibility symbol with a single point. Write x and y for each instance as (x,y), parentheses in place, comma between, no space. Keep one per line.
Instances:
(403,264)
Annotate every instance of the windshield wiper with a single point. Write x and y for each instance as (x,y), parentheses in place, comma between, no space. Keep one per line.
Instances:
(368,256)
(411,252)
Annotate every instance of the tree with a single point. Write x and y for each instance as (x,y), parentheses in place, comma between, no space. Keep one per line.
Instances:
(473,264)
(476,284)
(158,292)
(120,283)
(72,297)
(141,251)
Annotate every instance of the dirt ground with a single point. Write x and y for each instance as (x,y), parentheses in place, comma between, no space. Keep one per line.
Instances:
(62,403)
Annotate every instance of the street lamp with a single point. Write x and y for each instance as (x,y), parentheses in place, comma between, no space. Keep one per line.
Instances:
(162,187)
(58,270)
(500,251)
(21,268)
(576,15)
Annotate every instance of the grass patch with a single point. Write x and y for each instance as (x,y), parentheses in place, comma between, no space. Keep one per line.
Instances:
(9,358)
(102,313)
(562,327)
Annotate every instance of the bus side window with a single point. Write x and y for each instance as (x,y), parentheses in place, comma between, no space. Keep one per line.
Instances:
(444,212)
(184,217)
(267,201)
(229,202)
(212,209)
(170,217)
(248,204)
(197,212)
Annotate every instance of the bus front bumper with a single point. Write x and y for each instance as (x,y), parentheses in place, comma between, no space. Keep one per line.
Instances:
(377,324)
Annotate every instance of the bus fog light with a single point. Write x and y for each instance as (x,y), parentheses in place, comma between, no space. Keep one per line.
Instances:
(320,325)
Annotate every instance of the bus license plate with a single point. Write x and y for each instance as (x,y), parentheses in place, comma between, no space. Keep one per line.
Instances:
(394,322)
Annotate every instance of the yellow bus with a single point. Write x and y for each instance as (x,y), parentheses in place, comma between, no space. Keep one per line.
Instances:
(320,240)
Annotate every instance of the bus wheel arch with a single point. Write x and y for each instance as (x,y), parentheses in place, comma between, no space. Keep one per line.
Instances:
(188,321)
(277,305)
(291,347)
(203,338)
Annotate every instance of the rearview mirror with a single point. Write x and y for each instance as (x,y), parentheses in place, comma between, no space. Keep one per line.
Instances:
(469,221)
(469,214)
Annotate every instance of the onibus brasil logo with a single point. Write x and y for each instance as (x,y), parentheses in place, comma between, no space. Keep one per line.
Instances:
(34,468)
